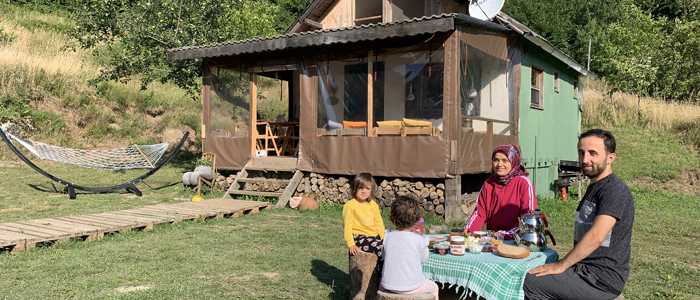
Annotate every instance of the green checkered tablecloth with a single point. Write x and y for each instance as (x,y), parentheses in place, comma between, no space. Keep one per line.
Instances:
(487,274)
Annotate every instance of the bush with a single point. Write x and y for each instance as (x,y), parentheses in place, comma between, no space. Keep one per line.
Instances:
(6,38)
(691,130)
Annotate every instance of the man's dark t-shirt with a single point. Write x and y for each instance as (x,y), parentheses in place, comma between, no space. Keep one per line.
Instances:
(608,266)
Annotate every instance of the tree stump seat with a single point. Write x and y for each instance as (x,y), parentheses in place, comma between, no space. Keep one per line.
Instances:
(386,295)
(364,276)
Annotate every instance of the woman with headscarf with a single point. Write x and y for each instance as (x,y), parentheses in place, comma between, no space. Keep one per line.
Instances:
(505,196)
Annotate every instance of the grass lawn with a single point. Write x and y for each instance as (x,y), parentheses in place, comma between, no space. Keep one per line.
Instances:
(286,254)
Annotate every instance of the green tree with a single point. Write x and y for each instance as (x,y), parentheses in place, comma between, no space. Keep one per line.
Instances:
(629,50)
(138,33)
(679,64)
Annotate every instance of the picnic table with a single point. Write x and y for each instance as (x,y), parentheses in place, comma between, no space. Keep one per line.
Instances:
(488,275)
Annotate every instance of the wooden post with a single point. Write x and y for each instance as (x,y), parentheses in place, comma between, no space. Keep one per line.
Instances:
(453,195)
(370,92)
(253,112)
(206,88)
(387,14)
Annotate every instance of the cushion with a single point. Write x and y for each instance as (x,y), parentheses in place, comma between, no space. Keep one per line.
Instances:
(416,123)
(334,125)
(354,124)
(389,123)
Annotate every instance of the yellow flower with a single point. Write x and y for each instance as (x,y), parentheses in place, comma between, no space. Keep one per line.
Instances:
(669,277)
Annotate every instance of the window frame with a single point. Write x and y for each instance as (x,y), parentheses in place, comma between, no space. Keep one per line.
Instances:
(556,81)
(540,87)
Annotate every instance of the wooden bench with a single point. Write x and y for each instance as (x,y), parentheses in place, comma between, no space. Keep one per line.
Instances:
(342,132)
(404,131)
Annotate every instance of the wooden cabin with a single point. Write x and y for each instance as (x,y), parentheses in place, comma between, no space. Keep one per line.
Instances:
(396,88)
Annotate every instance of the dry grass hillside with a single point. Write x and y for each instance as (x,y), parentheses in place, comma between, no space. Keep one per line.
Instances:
(45,87)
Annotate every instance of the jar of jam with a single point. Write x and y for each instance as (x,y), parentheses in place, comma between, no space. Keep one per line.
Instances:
(488,247)
(457,246)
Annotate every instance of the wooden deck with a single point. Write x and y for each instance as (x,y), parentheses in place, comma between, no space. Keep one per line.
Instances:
(22,235)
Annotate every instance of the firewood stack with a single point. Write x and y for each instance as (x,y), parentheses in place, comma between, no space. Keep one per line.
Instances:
(336,189)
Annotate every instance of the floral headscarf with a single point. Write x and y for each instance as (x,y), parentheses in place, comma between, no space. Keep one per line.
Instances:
(513,155)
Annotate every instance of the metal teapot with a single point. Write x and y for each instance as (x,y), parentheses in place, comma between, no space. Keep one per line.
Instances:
(534,221)
(537,240)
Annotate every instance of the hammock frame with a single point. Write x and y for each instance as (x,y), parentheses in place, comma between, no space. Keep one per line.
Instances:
(71,187)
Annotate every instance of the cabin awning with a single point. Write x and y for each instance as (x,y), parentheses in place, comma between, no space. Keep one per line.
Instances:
(371,32)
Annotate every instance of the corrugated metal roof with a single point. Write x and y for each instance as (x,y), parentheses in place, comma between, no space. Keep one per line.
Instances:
(378,31)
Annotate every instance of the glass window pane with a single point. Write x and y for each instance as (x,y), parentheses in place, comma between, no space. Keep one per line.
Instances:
(534,96)
(484,88)
(229,104)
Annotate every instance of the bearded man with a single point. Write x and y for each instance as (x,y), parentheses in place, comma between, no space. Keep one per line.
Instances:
(598,265)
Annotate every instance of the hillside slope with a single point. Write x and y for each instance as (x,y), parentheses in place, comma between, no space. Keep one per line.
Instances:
(45,87)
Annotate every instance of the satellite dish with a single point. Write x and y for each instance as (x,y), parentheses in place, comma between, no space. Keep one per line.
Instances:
(485,9)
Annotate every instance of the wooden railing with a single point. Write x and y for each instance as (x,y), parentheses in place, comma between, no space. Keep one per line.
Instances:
(489,124)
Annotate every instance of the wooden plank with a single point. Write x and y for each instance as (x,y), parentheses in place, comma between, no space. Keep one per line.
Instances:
(32,229)
(253,112)
(386,131)
(67,225)
(14,236)
(115,224)
(144,216)
(271,169)
(255,193)
(370,91)
(313,23)
(196,211)
(291,187)
(46,226)
(171,210)
(453,192)
(157,215)
(268,181)
(378,18)
(43,234)
(140,222)
(92,232)
(171,215)
(418,130)
(108,227)
(132,222)
(235,185)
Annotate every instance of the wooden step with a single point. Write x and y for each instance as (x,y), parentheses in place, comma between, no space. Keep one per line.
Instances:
(264,180)
(255,193)
(274,162)
(270,169)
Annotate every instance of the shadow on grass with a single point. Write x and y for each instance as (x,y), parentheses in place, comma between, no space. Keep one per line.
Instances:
(333,277)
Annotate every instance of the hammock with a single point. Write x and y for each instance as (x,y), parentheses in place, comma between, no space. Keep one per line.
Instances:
(130,157)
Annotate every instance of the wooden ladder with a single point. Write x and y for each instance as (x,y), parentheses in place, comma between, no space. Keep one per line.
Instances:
(284,196)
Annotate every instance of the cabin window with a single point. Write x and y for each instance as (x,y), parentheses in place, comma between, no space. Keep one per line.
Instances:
(536,84)
(575,89)
(407,91)
(556,81)
(368,12)
(484,90)
(406,9)
(342,94)
(229,104)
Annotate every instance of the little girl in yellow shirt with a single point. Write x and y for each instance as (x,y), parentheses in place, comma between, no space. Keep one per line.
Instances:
(364,227)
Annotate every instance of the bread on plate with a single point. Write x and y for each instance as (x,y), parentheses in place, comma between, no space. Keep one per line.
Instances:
(511,251)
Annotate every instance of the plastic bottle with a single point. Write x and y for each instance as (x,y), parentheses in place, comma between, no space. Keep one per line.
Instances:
(418,228)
